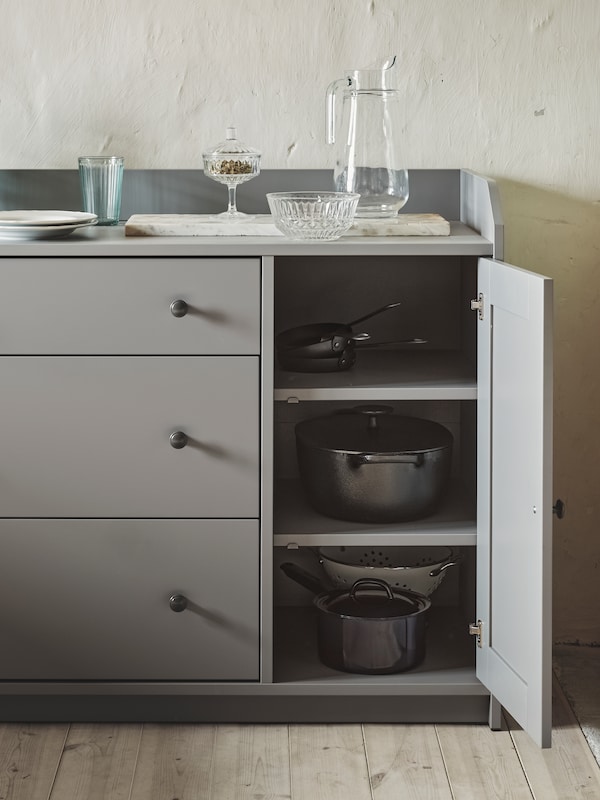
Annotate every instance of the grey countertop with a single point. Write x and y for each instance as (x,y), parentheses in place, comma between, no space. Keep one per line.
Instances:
(106,242)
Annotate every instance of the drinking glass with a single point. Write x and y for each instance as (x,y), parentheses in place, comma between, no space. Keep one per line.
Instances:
(101,179)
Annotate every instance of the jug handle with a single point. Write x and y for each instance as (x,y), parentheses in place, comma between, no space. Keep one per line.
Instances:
(332,91)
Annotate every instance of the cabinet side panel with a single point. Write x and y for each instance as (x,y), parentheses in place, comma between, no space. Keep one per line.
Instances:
(267,366)
(480,208)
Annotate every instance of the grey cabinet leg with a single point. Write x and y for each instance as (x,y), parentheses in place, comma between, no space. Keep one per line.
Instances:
(495,717)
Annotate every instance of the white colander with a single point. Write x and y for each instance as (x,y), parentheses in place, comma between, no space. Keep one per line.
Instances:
(419,569)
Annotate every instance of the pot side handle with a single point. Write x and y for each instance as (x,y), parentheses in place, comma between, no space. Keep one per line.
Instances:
(416,459)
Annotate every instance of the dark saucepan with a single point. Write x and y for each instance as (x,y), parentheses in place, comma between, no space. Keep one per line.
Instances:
(369,628)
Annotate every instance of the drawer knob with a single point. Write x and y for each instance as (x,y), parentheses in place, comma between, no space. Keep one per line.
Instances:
(178,602)
(178,439)
(179,308)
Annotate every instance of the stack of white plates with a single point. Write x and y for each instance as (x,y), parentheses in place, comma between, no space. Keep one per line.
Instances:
(42,224)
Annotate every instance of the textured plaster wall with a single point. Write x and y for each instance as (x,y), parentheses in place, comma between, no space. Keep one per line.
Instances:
(505,87)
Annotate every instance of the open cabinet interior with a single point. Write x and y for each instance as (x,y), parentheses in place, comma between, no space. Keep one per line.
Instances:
(433,380)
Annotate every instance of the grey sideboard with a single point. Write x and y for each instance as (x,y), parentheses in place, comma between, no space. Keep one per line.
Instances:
(149,489)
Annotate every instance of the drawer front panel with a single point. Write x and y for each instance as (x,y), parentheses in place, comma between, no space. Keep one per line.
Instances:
(89,600)
(90,437)
(123,306)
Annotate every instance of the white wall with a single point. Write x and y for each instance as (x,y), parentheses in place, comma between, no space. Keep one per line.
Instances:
(508,88)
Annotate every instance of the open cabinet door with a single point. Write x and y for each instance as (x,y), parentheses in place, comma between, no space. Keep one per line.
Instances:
(514,485)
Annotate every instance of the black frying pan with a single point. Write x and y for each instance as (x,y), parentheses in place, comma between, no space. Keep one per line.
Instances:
(336,363)
(346,359)
(323,339)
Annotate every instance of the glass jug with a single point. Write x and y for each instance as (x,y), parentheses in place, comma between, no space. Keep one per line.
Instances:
(367,160)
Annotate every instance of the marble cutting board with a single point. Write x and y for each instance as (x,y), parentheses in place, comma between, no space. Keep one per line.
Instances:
(402,225)
(198,225)
(262,225)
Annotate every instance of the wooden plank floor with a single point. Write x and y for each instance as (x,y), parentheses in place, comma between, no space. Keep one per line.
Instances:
(299,762)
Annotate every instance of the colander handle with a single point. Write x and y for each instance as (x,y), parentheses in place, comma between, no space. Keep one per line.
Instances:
(438,570)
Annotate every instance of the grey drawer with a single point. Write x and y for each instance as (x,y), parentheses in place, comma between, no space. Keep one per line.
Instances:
(90,436)
(89,600)
(123,306)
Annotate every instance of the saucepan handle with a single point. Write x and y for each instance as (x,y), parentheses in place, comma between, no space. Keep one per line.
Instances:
(386,307)
(303,577)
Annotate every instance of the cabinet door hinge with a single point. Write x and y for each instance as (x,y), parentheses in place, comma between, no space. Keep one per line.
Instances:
(477,305)
(476,629)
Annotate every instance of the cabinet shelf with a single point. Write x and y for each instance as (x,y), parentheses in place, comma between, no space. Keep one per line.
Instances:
(386,374)
(449,665)
(296,523)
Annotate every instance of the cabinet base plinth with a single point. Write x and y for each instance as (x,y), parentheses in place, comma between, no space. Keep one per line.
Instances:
(246,709)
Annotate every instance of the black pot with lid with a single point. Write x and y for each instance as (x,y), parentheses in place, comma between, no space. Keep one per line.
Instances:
(369,628)
(371,465)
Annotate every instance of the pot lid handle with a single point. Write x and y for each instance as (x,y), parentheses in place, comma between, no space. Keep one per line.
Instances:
(371,582)
(372,412)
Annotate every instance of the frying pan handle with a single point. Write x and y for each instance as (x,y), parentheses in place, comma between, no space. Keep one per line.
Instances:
(397,341)
(417,459)
(337,340)
(302,577)
(359,337)
(373,313)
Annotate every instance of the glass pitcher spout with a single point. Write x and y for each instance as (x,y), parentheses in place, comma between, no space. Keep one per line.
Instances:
(375,76)
(367,157)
